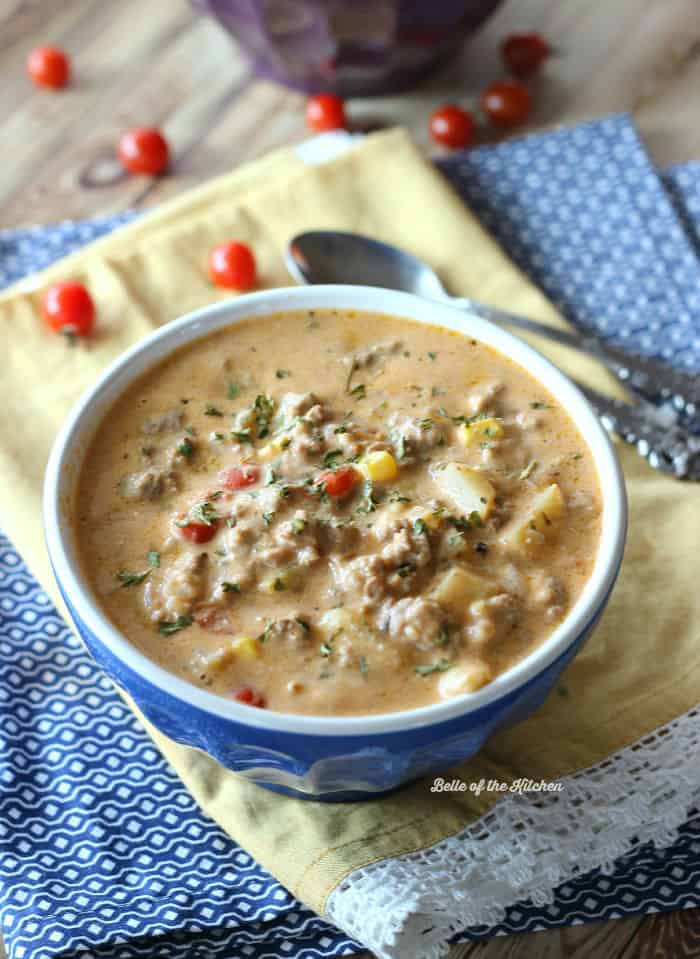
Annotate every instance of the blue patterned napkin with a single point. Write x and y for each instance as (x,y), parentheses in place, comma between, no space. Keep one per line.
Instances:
(103,853)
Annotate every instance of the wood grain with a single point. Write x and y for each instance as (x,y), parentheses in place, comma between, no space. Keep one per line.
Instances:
(157,62)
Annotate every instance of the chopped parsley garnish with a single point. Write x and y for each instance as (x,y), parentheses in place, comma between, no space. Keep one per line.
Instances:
(204,513)
(351,371)
(302,622)
(475,518)
(190,430)
(131,579)
(431,355)
(154,558)
(167,628)
(330,460)
(419,528)
(426,424)
(437,391)
(577,456)
(444,635)
(230,587)
(264,408)
(326,648)
(529,470)
(399,441)
(469,420)
(359,392)
(430,668)
(539,405)
(396,497)
(210,410)
(233,391)
(279,584)
(460,523)
(364,666)
(271,477)
(186,448)
(298,525)
(268,517)
(370,501)
(405,569)
(219,437)
(340,429)
(282,374)
(243,436)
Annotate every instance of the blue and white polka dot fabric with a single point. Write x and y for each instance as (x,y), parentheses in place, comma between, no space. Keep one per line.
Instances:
(103,853)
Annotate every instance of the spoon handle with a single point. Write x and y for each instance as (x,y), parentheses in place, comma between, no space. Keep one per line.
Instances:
(646,377)
(665,444)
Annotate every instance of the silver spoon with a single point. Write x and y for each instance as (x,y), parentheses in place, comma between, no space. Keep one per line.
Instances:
(330,256)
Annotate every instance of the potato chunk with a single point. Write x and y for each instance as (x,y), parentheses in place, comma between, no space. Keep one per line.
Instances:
(465,677)
(468,488)
(459,587)
(541,520)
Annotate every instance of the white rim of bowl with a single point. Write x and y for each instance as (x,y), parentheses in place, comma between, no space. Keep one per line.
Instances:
(163,341)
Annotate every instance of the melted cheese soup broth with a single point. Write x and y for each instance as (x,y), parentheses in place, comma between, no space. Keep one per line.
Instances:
(336,513)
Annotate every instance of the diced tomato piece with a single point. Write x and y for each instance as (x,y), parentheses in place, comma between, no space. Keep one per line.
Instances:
(238,477)
(199,533)
(339,482)
(212,618)
(249,696)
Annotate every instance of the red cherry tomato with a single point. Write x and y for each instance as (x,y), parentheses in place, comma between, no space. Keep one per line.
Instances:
(144,150)
(239,477)
(339,482)
(325,111)
(506,103)
(249,696)
(232,265)
(69,308)
(452,126)
(199,533)
(48,67)
(524,53)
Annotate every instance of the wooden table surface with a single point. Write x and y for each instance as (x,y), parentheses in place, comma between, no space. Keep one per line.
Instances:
(141,62)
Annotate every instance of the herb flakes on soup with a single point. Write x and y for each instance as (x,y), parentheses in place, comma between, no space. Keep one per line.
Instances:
(337,513)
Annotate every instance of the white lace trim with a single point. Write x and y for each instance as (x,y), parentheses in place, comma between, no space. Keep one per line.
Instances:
(524,848)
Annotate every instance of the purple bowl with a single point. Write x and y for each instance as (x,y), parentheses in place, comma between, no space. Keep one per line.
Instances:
(349,47)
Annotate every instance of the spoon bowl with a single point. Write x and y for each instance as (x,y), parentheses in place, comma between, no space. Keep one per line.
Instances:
(331,256)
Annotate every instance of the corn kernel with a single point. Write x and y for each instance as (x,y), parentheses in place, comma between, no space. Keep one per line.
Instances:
(245,647)
(379,466)
(480,431)
(272,449)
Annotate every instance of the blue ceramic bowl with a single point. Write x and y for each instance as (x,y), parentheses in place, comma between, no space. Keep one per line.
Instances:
(329,758)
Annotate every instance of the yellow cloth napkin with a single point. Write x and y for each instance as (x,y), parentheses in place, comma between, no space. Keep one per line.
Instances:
(641,668)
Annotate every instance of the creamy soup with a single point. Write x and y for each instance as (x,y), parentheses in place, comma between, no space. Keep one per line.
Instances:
(337,513)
